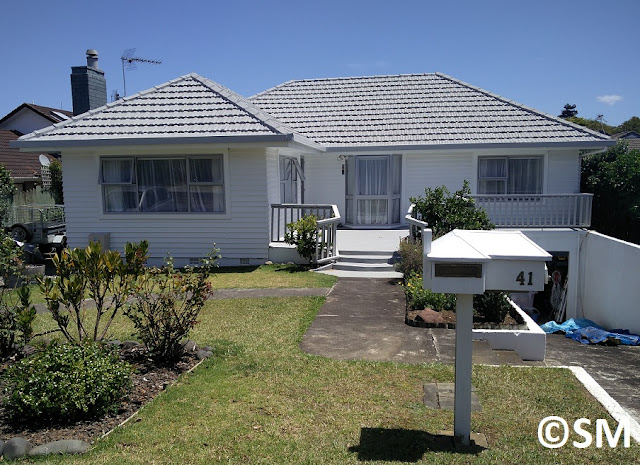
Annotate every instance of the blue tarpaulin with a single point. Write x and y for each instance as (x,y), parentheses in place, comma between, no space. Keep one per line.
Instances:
(588,332)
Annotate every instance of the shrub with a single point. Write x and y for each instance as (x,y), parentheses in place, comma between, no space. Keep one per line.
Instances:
(66,383)
(55,168)
(91,272)
(419,298)
(444,212)
(16,312)
(302,234)
(492,306)
(168,304)
(410,257)
(7,188)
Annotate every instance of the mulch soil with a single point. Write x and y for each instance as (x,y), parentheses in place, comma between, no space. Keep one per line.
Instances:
(148,380)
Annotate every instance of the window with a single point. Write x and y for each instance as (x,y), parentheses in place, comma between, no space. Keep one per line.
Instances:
(289,170)
(510,175)
(188,184)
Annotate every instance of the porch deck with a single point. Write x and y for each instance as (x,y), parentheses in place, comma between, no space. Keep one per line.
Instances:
(369,240)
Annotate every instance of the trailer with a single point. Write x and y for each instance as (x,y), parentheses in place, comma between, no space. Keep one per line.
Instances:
(41,225)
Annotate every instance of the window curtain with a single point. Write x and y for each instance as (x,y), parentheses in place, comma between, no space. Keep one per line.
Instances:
(288,181)
(372,176)
(162,185)
(488,170)
(525,176)
(118,198)
(206,198)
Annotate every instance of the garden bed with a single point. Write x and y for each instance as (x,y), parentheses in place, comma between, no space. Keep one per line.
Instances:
(447,319)
(148,381)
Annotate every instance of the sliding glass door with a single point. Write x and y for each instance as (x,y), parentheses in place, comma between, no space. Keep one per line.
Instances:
(373,188)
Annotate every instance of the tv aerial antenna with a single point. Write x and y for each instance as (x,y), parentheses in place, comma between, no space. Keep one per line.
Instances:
(129,63)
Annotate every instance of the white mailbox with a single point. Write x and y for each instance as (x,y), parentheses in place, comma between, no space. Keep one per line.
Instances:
(471,262)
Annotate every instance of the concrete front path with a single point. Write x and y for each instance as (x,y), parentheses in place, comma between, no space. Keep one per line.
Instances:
(364,319)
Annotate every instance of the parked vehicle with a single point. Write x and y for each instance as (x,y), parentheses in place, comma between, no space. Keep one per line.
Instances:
(42,225)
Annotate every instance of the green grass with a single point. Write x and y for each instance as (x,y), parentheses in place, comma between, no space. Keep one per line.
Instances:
(261,400)
(249,277)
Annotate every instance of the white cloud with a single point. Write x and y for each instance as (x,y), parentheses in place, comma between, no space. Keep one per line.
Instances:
(610,100)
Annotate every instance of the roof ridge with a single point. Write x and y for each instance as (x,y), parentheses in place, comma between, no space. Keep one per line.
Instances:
(44,131)
(524,107)
(341,78)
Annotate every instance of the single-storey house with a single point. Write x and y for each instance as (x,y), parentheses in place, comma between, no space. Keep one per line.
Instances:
(26,169)
(190,163)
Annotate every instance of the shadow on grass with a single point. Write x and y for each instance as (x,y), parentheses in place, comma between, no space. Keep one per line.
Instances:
(292,268)
(404,445)
(236,269)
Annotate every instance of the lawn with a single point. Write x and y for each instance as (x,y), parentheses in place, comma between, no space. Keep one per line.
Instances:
(261,400)
(250,277)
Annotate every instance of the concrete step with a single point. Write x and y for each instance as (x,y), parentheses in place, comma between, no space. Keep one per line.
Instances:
(367,252)
(355,266)
(346,258)
(362,274)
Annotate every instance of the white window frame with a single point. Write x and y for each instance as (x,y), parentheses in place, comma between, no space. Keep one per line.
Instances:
(505,178)
(189,183)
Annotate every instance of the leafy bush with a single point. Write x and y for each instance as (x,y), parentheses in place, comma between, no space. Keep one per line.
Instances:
(55,168)
(614,179)
(492,306)
(16,312)
(302,234)
(91,272)
(66,383)
(444,212)
(410,252)
(7,188)
(168,304)
(419,298)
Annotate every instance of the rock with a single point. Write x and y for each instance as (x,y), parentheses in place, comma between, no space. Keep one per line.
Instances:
(190,346)
(202,354)
(1,447)
(28,350)
(115,343)
(429,316)
(268,262)
(15,448)
(66,446)
(130,344)
(207,348)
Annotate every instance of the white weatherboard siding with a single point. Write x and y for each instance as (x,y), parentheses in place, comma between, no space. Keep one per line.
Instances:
(273,180)
(242,233)
(563,172)
(422,170)
(325,182)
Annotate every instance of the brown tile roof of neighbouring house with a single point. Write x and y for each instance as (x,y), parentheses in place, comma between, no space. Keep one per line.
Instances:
(632,138)
(407,110)
(52,114)
(189,107)
(21,165)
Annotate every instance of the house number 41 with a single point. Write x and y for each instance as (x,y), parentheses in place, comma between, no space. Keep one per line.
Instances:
(521,278)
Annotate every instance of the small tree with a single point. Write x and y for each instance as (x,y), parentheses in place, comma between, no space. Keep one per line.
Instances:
(7,188)
(55,168)
(444,211)
(167,305)
(91,272)
(569,111)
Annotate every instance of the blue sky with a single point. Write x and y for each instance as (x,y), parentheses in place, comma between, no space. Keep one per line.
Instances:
(540,53)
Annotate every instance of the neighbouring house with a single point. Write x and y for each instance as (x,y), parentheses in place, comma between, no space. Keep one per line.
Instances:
(189,163)
(632,138)
(26,168)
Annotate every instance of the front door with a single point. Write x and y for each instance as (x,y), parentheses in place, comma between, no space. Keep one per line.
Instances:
(373,187)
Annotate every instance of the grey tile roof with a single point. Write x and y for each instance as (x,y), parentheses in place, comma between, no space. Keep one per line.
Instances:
(405,110)
(187,107)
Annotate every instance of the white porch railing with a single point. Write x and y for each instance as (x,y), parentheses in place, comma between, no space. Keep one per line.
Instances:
(415,224)
(328,217)
(537,211)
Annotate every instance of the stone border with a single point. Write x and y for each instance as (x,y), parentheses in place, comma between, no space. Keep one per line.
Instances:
(425,324)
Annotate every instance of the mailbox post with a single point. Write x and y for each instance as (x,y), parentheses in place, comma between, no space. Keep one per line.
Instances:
(470,262)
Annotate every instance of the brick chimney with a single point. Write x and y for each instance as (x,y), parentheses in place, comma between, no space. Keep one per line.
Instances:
(88,85)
